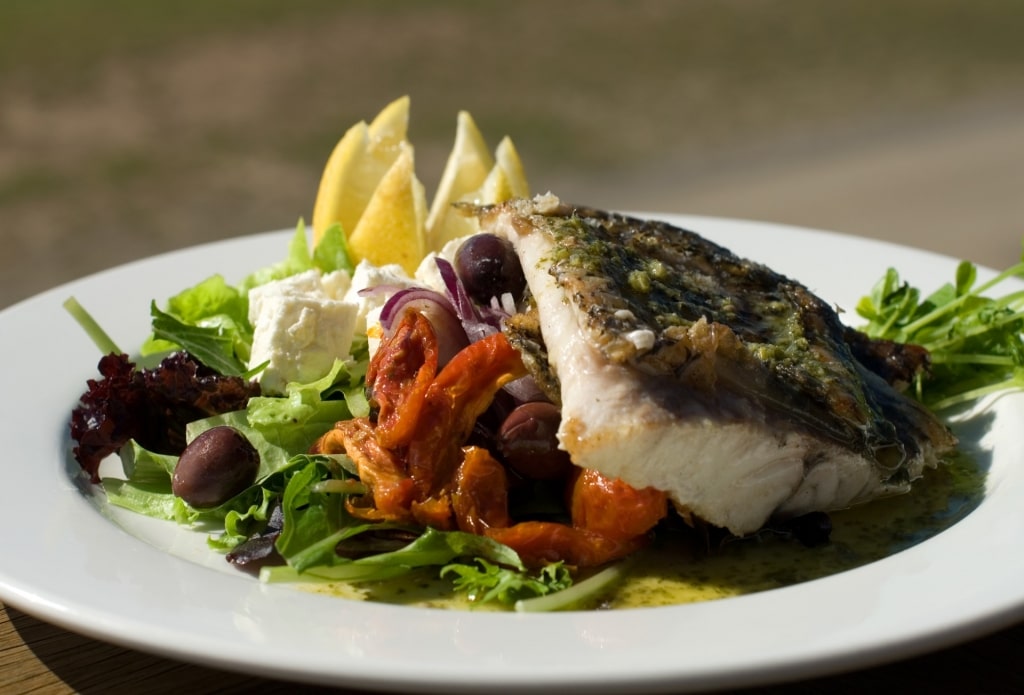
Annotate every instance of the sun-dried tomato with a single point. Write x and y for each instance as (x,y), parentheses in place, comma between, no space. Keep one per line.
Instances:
(612,508)
(610,519)
(541,542)
(398,377)
(381,470)
(480,495)
(459,394)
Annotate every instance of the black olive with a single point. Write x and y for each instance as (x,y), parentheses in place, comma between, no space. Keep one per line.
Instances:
(217,465)
(488,267)
(528,443)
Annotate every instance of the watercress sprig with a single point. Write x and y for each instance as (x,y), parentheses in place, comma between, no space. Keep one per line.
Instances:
(975,341)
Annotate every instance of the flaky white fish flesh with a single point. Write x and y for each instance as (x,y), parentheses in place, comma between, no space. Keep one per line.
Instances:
(681,366)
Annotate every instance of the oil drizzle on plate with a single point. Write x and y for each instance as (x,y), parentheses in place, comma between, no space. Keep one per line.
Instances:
(767,561)
(684,569)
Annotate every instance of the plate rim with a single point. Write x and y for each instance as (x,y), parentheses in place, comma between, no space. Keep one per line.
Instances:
(18,590)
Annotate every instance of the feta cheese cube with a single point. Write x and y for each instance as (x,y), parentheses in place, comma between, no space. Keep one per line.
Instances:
(301,326)
(311,282)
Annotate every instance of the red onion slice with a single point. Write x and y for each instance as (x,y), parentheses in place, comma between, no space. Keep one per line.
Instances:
(477,324)
(481,321)
(451,337)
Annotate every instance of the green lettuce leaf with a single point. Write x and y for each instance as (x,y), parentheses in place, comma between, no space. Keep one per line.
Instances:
(211,319)
(143,466)
(296,420)
(332,253)
(216,346)
(150,498)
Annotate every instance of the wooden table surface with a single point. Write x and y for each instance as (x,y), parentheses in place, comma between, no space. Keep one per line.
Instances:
(39,658)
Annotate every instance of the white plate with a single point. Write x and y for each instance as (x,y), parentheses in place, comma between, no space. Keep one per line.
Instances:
(67,561)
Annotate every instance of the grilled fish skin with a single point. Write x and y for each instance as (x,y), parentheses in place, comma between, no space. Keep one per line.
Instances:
(683,367)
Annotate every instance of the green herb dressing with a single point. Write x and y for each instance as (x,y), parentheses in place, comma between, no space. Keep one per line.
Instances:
(680,570)
(859,536)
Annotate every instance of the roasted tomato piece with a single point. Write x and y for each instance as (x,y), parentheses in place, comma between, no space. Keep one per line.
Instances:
(391,490)
(398,377)
(480,497)
(541,542)
(460,393)
(612,508)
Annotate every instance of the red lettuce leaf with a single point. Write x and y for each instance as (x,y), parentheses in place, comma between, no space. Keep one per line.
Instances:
(151,406)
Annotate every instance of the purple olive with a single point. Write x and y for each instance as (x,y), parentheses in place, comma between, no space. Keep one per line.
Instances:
(217,465)
(489,267)
(528,443)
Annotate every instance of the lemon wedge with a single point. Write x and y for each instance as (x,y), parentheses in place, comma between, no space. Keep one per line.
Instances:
(464,173)
(509,162)
(369,187)
(392,227)
(390,127)
(472,175)
(506,180)
(357,165)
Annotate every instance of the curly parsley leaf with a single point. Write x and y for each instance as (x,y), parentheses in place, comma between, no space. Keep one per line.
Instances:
(485,582)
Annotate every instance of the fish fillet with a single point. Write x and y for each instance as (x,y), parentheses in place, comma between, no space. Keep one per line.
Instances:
(681,366)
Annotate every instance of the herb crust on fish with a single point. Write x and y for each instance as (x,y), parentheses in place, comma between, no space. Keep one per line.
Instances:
(681,366)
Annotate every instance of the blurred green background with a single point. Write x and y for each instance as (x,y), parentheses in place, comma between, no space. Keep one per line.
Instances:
(128,128)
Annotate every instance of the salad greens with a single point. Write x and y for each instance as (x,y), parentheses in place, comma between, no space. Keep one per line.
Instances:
(295,510)
(487,581)
(975,342)
(95,332)
(211,319)
(294,515)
